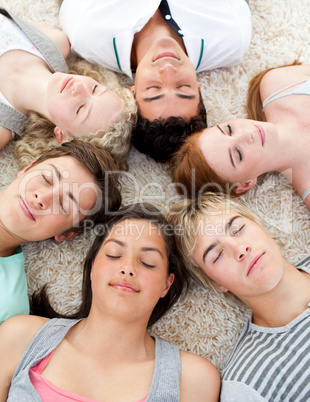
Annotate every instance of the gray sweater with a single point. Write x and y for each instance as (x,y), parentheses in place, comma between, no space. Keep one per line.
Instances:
(165,382)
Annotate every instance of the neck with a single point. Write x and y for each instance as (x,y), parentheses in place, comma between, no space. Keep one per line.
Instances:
(155,28)
(113,337)
(27,81)
(287,154)
(9,241)
(283,303)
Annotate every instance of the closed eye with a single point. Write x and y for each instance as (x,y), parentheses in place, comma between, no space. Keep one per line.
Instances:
(94,88)
(229,129)
(113,257)
(239,154)
(218,257)
(62,207)
(239,230)
(79,108)
(45,179)
(148,265)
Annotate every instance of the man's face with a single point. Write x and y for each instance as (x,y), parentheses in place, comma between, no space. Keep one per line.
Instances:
(166,82)
(48,199)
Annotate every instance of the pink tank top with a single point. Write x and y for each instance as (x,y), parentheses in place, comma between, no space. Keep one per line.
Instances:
(48,392)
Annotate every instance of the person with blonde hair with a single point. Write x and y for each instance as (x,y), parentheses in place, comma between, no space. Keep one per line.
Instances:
(103,352)
(230,156)
(225,247)
(75,104)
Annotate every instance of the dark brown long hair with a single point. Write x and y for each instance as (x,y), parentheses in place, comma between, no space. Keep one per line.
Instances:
(40,304)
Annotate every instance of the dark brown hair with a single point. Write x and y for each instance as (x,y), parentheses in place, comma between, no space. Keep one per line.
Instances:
(161,138)
(40,304)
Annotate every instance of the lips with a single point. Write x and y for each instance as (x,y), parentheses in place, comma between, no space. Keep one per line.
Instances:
(261,134)
(254,263)
(124,287)
(168,55)
(65,83)
(26,209)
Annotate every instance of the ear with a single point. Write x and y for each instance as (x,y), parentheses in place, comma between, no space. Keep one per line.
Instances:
(169,282)
(65,236)
(133,89)
(59,135)
(245,186)
(25,168)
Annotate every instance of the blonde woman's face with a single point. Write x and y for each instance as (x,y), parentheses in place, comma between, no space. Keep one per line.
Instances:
(79,105)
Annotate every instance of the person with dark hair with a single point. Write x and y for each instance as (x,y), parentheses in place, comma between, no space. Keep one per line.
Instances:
(51,198)
(160,139)
(161,44)
(132,276)
(226,249)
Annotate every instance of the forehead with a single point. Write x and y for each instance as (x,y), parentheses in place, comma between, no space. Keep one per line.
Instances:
(135,230)
(217,223)
(67,166)
(169,105)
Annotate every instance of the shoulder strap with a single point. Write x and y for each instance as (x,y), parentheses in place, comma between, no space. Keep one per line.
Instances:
(166,379)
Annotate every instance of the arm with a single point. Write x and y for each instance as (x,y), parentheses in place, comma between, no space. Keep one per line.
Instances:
(200,380)
(5,136)
(57,36)
(15,335)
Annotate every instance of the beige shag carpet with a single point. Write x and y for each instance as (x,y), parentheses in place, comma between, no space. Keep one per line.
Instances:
(203,322)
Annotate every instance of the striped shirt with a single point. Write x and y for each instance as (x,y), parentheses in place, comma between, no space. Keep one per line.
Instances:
(271,364)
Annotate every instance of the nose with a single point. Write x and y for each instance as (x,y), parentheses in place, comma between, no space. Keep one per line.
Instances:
(78,88)
(127,269)
(168,74)
(43,198)
(247,137)
(242,251)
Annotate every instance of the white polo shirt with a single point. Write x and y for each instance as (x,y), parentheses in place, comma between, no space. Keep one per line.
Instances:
(216,33)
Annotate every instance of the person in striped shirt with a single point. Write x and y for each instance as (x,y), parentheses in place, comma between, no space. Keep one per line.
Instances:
(226,247)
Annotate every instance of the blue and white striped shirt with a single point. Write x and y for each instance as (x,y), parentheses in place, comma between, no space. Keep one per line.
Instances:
(271,364)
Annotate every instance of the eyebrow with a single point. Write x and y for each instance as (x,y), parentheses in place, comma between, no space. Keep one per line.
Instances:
(183,96)
(220,128)
(144,249)
(59,177)
(227,228)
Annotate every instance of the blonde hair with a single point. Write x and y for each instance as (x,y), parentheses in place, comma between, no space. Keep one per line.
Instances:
(184,217)
(38,136)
